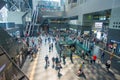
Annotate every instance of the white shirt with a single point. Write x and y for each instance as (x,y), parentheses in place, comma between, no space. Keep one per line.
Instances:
(108,61)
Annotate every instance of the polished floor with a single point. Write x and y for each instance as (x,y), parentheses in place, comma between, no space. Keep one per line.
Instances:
(36,70)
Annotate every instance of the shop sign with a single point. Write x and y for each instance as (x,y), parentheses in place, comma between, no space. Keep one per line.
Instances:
(98,24)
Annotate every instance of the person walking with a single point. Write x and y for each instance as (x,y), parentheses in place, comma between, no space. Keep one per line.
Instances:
(59,67)
(71,57)
(64,57)
(108,64)
(53,61)
(46,60)
(56,60)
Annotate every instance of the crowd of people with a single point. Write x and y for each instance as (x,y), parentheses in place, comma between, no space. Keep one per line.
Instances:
(56,60)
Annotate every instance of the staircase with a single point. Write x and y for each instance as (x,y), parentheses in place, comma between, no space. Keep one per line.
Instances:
(8,69)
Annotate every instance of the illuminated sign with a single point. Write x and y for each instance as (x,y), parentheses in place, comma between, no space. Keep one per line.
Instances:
(98,24)
(73,22)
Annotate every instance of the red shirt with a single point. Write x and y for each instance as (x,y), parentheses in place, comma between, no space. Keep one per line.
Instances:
(94,57)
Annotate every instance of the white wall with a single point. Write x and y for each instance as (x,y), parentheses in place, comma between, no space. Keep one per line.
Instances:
(15,17)
(91,6)
(115,18)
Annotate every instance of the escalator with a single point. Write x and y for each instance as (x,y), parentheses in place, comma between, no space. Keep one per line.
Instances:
(28,26)
(33,28)
(8,69)
(31,24)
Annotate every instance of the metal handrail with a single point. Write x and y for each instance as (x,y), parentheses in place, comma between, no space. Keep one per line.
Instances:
(34,21)
(31,23)
(2,49)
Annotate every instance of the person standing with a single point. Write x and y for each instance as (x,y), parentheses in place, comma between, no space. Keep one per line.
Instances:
(83,55)
(102,56)
(114,49)
(31,54)
(45,40)
(94,57)
(56,61)
(32,41)
(49,47)
(52,46)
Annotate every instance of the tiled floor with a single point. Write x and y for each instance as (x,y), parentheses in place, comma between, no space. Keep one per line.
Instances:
(35,70)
